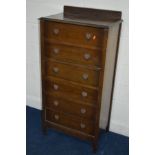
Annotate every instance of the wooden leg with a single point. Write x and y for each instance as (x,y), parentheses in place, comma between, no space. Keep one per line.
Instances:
(44,127)
(94,146)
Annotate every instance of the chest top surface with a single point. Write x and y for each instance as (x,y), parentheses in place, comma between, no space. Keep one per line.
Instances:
(87,17)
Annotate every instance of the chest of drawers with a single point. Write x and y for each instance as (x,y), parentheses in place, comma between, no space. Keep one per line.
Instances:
(78,60)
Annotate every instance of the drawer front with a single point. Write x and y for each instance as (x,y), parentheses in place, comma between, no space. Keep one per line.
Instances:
(74,34)
(73,54)
(72,73)
(70,121)
(66,90)
(70,107)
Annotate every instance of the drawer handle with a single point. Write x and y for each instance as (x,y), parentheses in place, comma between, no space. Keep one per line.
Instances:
(88,36)
(85,76)
(56,117)
(56,31)
(56,103)
(84,94)
(83,111)
(55,70)
(56,87)
(56,50)
(82,126)
(87,56)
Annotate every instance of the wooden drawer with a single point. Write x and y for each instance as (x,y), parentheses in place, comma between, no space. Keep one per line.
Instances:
(70,107)
(70,121)
(74,34)
(59,87)
(73,54)
(72,73)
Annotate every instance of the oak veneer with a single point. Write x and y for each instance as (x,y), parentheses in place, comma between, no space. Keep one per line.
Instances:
(70,106)
(74,34)
(73,54)
(70,121)
(60,87)
(69,72)
(79,51)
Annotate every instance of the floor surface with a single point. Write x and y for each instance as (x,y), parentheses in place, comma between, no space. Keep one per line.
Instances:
(56,143)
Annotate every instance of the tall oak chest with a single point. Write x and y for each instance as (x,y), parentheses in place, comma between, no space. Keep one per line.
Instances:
(79,49)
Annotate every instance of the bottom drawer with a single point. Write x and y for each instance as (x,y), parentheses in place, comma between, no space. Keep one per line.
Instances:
(70,121)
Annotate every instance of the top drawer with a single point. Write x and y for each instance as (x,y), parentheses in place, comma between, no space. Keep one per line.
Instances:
(74,34)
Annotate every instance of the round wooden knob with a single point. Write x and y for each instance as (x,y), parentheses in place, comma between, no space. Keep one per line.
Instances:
(55,69)
(82,126)
(56,50)
(56,31)
(56,87)
(87,56)
(83,111)
(84,94)
(85,76)
(56,103)
(88,36)
(56,117)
